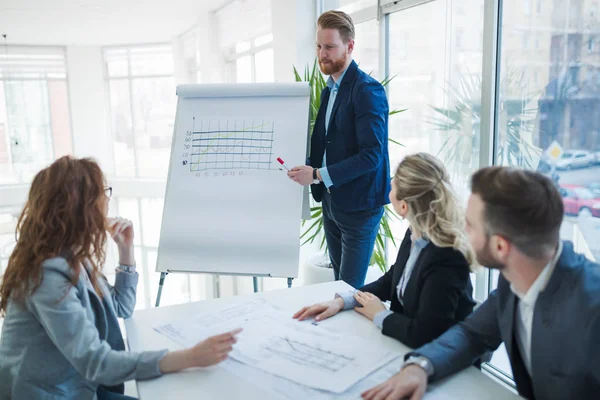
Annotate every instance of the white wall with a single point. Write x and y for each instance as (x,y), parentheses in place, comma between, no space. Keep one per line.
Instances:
(294,29)
(89,103)
(212,62)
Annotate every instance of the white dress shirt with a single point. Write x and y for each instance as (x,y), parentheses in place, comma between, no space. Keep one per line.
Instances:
(524,320)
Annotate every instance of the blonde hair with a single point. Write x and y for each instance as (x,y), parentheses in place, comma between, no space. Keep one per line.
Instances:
(337,20)
(422,181)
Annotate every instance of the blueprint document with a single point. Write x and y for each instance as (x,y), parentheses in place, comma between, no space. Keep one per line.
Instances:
(275,343)
(280,388)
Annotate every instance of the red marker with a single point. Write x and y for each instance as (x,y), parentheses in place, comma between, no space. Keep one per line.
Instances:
(280,161)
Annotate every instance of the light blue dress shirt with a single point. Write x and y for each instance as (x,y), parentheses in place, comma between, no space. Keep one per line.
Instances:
(415,251)
(333,91)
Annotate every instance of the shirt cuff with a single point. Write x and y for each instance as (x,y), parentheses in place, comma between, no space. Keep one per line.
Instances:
(349,300)
(325,177)
(380,316)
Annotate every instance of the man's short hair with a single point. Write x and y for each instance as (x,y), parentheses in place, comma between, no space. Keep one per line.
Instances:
(338,20)
(524,207)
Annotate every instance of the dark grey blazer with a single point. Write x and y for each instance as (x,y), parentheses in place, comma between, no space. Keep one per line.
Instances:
(565,344)
(60,345)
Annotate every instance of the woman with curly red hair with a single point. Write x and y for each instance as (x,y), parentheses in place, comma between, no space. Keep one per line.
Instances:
(60,337)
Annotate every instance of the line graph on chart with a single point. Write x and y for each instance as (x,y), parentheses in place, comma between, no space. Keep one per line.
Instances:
(307,355)
(230,144)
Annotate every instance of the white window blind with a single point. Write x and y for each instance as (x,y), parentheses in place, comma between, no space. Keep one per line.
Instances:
(32,62)
(143,60)
(243,20)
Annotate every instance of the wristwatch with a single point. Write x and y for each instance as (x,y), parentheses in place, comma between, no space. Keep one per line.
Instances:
(422,362)
(316,180)
(127,268)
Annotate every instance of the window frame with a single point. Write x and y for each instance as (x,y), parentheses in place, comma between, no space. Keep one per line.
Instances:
(129,77)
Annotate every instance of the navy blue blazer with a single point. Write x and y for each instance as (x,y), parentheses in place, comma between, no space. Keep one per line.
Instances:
(356,143)
(565,354)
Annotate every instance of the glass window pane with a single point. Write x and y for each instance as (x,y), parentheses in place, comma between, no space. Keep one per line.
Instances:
(6,170)
(366,50)
(264,66)
(59,118)
(7,237)
(549,97)
(152,209)
(439,85)
(27,127)
(351,6)
(129,208)
(243,70)
(117,62)
(120,112)
(549,101)
(259,41)
(154,104)
(242,46)
(151,60)
(142,300)
(176,289)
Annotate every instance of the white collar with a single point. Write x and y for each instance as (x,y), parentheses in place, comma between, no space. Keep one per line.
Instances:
(541,281)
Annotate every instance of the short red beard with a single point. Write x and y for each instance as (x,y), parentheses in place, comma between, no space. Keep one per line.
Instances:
(334,67)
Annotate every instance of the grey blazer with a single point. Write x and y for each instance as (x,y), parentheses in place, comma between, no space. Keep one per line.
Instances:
(65,341)
(565,352)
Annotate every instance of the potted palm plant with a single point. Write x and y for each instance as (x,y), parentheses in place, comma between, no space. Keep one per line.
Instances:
(314,227)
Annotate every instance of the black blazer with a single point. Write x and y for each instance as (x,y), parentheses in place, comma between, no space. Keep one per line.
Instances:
(437,296)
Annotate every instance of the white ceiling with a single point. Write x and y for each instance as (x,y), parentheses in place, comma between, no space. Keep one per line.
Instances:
(99,22)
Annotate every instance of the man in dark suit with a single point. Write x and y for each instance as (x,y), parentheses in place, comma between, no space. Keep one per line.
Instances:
(546,308)
(349,165)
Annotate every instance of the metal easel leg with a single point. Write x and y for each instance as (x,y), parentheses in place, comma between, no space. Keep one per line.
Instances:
(163,275)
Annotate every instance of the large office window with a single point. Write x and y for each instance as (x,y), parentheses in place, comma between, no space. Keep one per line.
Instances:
(437,79)
(142,108)
(366,46)
(245,39)
(252,61)
(35,124)
(548,116)
(366,28)
(145,212)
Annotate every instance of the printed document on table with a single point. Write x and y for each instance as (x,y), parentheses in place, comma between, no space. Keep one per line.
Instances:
(312,357)
(189,331)
(283,389)
(272,341)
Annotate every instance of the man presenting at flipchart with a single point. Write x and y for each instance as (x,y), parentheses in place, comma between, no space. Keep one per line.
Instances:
(349,163)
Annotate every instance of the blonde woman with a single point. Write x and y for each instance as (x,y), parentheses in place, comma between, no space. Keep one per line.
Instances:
(429,285)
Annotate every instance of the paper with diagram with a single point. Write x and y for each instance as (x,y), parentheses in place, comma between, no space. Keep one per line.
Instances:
(280,388)
(275,343)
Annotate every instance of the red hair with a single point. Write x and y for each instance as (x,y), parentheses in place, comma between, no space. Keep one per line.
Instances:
(62,217)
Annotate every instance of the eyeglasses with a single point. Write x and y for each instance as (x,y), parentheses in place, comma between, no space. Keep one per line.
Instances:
(108,191)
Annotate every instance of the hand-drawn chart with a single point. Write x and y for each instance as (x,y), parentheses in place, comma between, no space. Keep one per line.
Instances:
(230,144)
(307,355)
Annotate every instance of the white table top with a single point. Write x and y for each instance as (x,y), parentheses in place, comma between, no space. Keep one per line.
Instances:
(217,383)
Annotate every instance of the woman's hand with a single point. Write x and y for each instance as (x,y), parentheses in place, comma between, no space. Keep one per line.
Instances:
(206,353)
(371,305)
(121,230)
(321,310)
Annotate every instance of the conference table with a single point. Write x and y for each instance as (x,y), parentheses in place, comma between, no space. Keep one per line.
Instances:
(220,383)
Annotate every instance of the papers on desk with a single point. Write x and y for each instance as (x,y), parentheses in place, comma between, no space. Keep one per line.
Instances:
(280,388)
(200,326)
(276,344)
